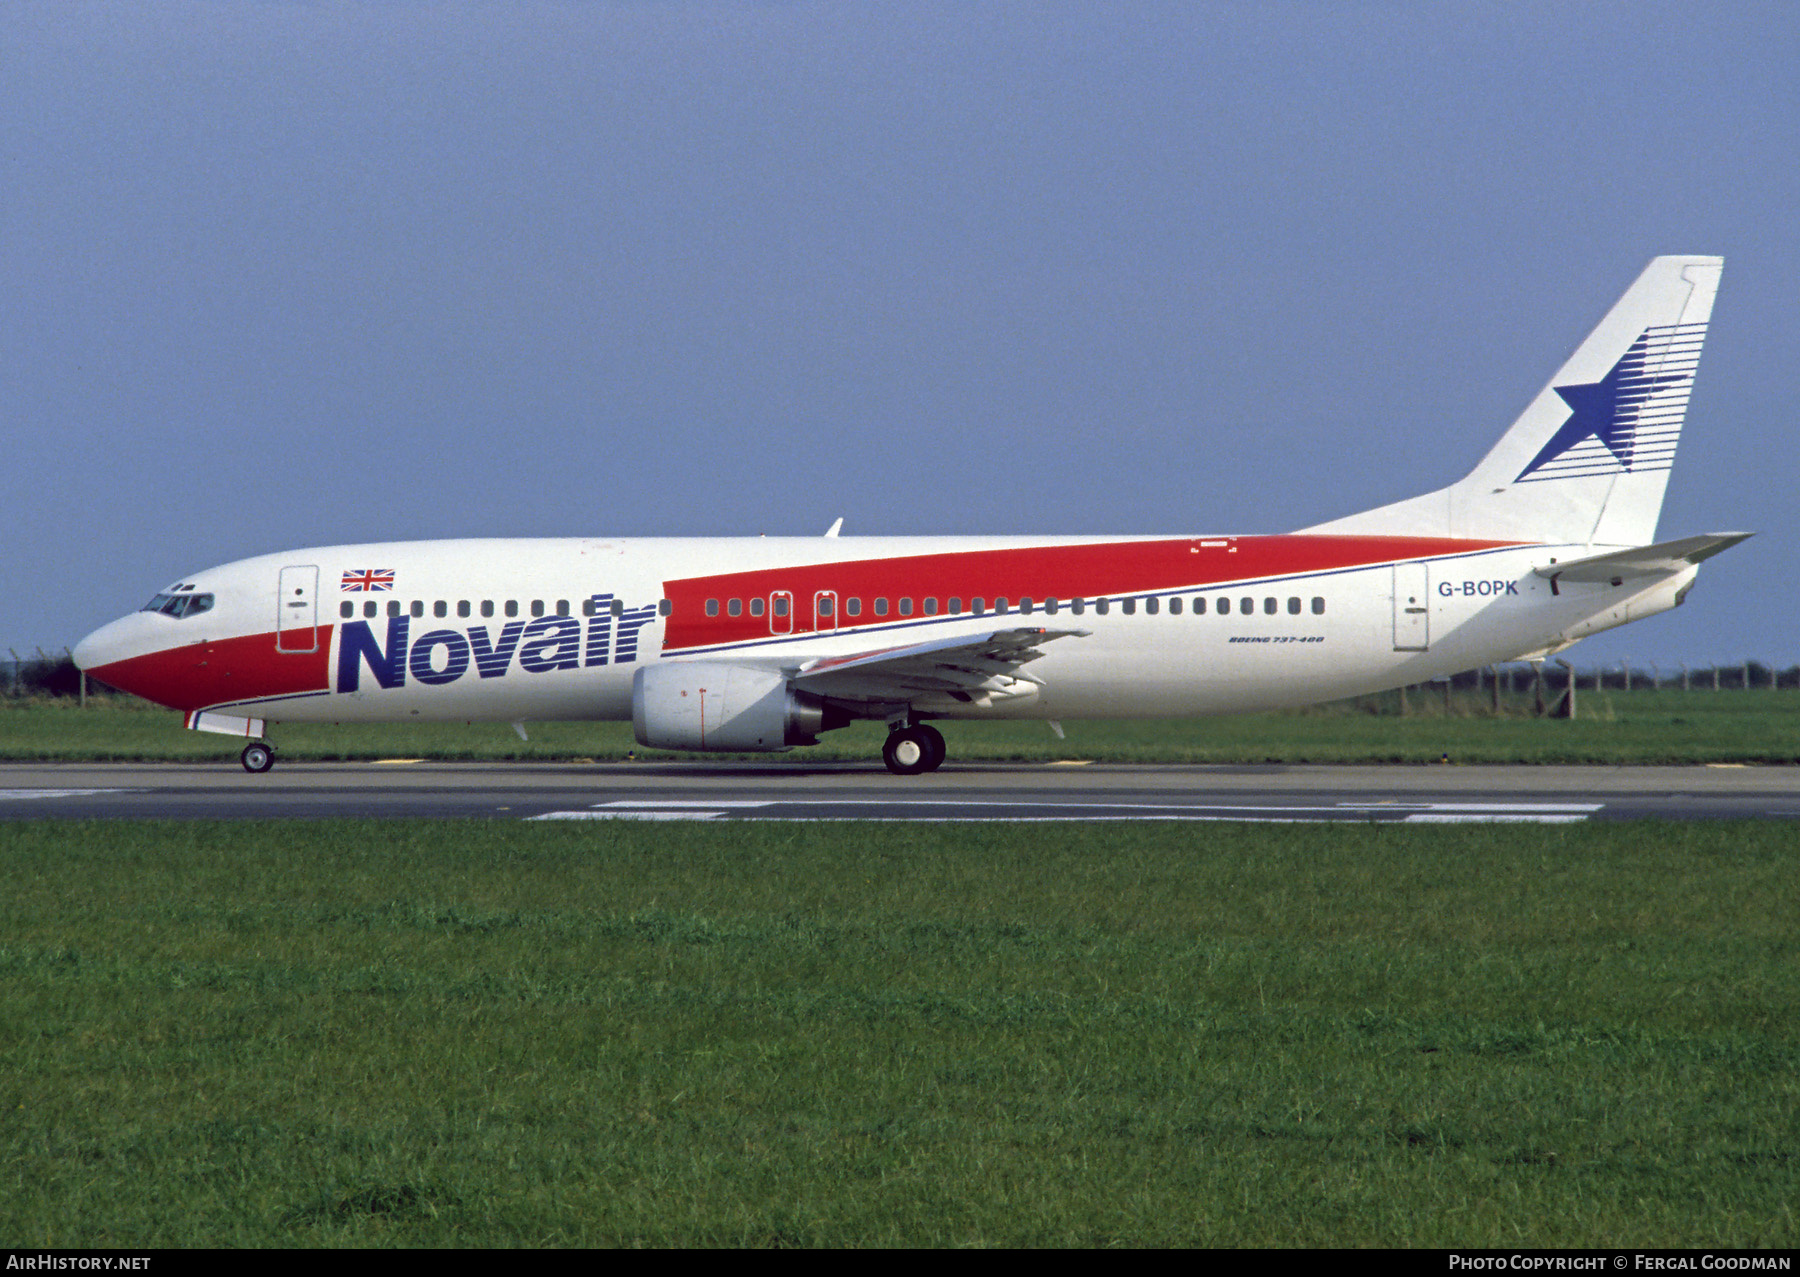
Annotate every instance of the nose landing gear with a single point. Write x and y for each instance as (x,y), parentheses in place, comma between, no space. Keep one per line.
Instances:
(914,749)
(257,757)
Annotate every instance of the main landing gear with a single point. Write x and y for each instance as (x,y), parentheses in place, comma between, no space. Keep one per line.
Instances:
(257,757)
(913,749)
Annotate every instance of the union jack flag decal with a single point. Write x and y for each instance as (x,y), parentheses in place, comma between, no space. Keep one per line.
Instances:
(363,579)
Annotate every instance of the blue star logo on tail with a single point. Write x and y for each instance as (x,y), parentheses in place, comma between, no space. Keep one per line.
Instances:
(1607,409)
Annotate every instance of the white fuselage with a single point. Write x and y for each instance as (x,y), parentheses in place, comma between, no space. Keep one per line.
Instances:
(518,630)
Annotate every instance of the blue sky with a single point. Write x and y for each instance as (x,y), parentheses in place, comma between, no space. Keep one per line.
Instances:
(288,274)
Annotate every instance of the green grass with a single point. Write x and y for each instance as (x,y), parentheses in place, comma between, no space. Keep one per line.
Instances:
(1758,726)
(472,1033)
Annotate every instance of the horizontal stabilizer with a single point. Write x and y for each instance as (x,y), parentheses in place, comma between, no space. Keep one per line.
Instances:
(1665,559)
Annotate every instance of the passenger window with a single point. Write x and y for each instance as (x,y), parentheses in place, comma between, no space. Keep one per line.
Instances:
(562,607)
(881,607)
(712,607)
(977,606)
(1294,606)
(512,607)
(781,605)
(1224,606)
(487,607)
(1247,606)
(756,607)
(618,607)
(462,607)
(852,607)
(906,606)
(665,606)
(418,607)
(824,606)
(1175,606)
(1078,606)
(1025,606)
(999,605)
(1128,606)
(1152,606)
(537,607)
(1051,605)
(955,607)
(393,607)
(346,608)
(735,607)
(369,608)
(1103,606)
(931,605)
(1271,606)
(1318,606)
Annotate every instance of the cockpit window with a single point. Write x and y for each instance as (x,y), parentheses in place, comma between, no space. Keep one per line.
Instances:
(179,605)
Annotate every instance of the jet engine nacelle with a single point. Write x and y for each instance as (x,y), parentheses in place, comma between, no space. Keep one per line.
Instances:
(713,705)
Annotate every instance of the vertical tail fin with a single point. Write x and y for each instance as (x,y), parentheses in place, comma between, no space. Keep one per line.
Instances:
(1588,460)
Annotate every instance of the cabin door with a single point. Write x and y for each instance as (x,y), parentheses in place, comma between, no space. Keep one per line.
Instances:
(297,610)
(1412,608)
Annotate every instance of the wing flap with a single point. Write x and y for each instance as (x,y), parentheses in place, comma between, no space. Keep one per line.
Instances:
(986,663)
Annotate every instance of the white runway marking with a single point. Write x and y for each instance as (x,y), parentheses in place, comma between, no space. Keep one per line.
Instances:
(7,795)
(628,815)
(933,811)
(677,804)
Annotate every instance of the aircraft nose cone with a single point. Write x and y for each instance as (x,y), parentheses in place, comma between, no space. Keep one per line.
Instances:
(111,643)
(90,653)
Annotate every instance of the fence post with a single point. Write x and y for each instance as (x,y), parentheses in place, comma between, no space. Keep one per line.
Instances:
(1567,708)
(1626,666)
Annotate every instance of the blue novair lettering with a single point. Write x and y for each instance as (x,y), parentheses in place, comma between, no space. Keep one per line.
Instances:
(492,660)
(633,620)
(551,643)
(443,656)
(358,644)
(599,635)
(456,657)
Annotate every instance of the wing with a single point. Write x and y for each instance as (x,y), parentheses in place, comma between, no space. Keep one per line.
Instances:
(961,670)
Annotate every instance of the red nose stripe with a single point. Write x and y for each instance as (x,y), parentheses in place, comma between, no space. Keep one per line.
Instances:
(236,669)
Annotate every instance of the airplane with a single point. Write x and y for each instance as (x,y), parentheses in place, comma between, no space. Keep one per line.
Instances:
(763,643)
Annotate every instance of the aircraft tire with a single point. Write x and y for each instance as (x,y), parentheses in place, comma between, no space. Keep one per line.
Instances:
(257,758)
(908,752)
(934,743)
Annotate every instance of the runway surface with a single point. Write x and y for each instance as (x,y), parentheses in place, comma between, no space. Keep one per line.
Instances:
(855,791)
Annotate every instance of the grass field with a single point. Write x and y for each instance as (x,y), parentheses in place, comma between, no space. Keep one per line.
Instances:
(1758,726)
(473,1033)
